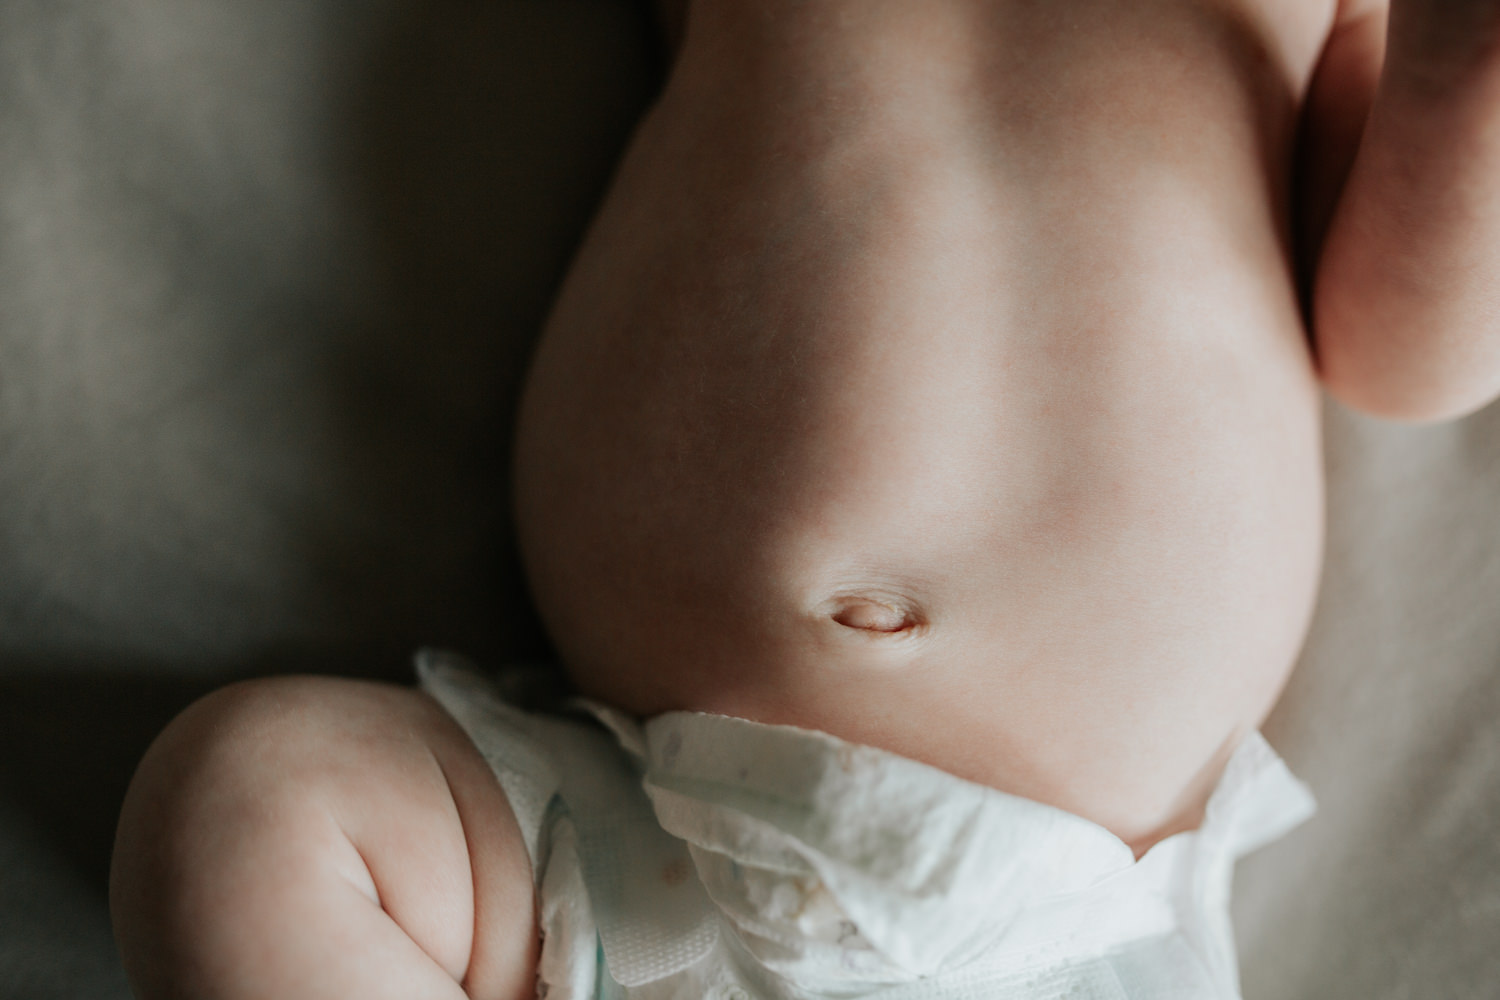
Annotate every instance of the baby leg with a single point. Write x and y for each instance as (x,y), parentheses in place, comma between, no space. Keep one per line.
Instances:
(1404,308)
(306,837)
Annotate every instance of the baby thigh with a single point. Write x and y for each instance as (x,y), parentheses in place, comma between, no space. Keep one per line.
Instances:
(305,837)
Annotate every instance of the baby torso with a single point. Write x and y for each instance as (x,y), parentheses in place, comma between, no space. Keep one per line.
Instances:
(934,377)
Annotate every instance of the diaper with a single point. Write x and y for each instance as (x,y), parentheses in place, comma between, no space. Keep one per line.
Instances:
(696,856)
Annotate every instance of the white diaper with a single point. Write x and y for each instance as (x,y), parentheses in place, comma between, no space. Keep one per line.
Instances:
(699,856)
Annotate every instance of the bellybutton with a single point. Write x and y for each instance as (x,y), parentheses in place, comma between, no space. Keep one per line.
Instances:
(872,616)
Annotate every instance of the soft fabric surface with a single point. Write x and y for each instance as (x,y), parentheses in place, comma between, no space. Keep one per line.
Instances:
(1393,890)
(268,274)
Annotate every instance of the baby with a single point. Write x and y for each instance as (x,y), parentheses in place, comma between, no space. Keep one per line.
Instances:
(925,445)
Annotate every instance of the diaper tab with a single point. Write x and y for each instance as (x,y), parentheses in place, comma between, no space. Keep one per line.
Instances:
(500,733)
(609,878)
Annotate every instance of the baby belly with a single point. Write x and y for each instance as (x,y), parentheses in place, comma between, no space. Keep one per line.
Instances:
(994,445)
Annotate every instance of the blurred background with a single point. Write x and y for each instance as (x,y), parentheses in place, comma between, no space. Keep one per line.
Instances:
(269,274)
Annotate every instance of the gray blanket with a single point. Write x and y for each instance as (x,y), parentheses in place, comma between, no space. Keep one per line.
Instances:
(268,276)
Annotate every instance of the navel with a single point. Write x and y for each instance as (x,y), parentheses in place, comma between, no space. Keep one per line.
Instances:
(868,615)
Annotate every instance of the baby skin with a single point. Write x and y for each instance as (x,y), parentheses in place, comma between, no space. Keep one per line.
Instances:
(936,376)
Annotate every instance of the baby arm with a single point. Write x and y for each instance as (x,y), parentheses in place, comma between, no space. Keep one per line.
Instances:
(305,837)
(1406,305)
